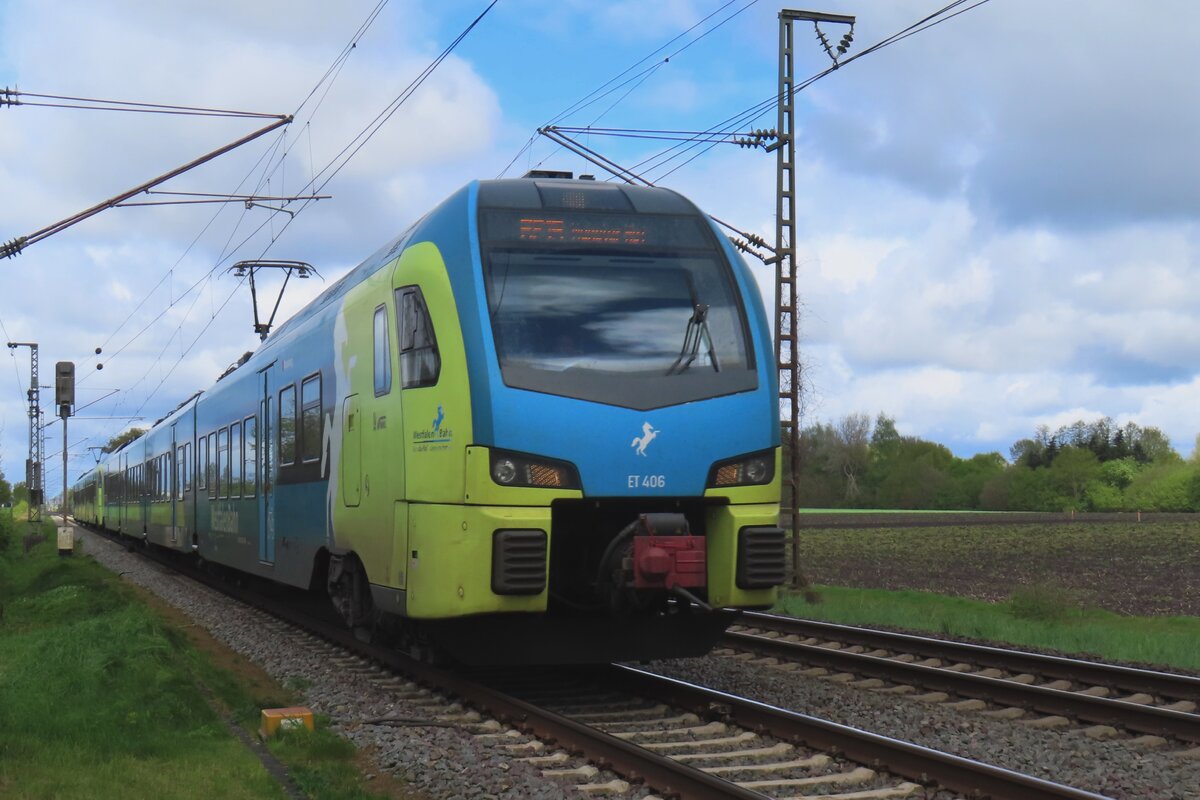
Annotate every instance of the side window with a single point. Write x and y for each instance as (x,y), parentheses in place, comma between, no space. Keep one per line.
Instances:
(202,463)
(186,469)
(211,465)
(287,425)
(383,353)
(250,455)
(222,470)
(420,363)
(235,459)
(310,418)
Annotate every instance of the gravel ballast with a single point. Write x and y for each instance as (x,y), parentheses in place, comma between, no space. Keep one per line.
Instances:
(1117,767)
(450,762)
(438,762)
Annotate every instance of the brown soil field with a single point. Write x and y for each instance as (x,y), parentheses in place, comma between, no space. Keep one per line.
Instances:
(1139,568)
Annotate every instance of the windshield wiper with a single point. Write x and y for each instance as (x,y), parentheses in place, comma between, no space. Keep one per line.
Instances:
(697,332)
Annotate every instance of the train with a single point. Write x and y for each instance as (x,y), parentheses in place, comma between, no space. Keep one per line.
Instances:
(539,426)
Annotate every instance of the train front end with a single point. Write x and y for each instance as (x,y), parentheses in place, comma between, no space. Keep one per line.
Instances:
(625,456)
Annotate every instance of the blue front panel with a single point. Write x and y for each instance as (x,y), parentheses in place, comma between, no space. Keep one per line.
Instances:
(619,451)
(615,451)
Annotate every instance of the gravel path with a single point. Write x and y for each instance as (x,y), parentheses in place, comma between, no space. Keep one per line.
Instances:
(436,762)
(1116,768)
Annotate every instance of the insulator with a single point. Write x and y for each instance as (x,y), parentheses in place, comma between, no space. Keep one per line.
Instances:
(13,248)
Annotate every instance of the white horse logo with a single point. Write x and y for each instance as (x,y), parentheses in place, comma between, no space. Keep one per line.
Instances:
(641,442)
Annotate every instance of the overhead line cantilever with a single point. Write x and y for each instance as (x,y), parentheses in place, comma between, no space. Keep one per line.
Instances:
(17,245)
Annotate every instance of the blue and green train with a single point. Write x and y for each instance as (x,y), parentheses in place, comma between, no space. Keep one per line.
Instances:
(540,425)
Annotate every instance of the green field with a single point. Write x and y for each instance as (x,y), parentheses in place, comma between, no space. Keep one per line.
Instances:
(1126,591)
(101,697)
(1037,618)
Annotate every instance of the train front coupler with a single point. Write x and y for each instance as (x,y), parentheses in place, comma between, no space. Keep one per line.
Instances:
(650,560)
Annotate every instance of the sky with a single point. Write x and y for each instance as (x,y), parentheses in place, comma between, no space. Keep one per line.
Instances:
(997,217)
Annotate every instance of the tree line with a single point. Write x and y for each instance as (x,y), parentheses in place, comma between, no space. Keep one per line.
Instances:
(1086,466)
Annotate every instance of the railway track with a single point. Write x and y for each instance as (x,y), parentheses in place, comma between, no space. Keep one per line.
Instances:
(659,735)
(1104,696)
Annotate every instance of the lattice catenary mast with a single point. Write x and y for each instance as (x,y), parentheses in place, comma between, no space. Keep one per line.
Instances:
(786,360)
(33,464)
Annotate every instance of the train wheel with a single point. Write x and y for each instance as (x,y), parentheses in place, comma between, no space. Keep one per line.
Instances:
(350,594)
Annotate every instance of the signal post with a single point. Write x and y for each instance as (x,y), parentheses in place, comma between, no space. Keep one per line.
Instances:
(64,397)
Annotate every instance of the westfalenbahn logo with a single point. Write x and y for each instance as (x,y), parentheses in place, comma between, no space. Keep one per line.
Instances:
(436,433)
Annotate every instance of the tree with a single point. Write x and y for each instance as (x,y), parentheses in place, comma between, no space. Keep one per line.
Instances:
(1071,472)
(122,439)
(5,490)
(854,431)
(20,493)
(1157,446)
(886,435)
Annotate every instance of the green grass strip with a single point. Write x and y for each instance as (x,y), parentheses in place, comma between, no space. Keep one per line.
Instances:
(1039,618)
(100,697)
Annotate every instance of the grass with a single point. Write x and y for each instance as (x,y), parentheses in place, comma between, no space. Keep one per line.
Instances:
(102,697)
(1042,617)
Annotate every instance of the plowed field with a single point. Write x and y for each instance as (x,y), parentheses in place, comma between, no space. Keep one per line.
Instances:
(1140,568)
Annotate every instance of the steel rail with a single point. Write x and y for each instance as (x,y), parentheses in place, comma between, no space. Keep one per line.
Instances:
(1098,710)
(1113,676)
(972,778)
(661,772)
(631,761)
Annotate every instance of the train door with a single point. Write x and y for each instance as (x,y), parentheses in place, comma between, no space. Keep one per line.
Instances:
(351,477)
(174,480)
(267,466)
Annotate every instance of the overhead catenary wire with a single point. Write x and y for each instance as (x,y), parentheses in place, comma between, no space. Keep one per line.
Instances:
(659,161)
(607,88)
(326,79)
(95,104)
(319,181)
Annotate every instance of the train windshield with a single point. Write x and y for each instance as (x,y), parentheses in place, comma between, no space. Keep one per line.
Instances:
(604,307)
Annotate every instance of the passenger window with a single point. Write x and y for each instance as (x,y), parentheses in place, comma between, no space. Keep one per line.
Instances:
(211,465)
(287,426)
(310,418)
(250,452)
(235,459)
(420,363)
(222,470)
(202,462)
(383,355)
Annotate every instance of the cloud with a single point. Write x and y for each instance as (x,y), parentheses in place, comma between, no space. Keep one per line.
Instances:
(1040,113)
(82,288)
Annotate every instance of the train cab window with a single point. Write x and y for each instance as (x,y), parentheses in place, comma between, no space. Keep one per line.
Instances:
(235,459)
(420,363)
(202,463)
(250,456)
(310,418)
(287,425)
(222,471)
(383,353)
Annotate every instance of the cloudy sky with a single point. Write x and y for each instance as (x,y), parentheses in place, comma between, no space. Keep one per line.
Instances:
(997,223)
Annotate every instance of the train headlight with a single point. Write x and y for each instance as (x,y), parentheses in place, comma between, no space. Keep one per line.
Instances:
(504,471)
(518,469)
(753,469)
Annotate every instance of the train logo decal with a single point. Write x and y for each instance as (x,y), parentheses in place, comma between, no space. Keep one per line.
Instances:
(437,437)
(643,441)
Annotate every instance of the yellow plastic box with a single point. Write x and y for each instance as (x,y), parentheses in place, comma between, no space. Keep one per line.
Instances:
(275,720)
